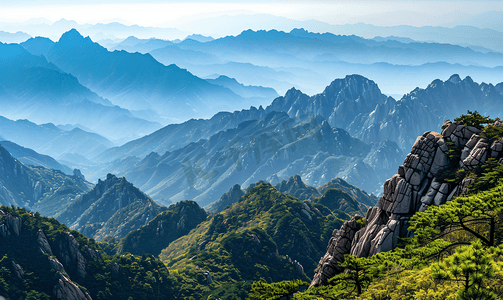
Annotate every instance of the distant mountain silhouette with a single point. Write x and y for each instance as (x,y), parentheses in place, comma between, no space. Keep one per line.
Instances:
(8,37)
(33,158)
(247,91)
(34,89)
(133,44)
(137,81)
(427,108)
(49,139)
(44,190)
(176,136)
(274,147)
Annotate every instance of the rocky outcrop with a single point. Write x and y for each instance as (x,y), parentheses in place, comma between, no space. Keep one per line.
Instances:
(232,196)
(418,184)
(43,243)
(10,225)
(295,187)
(70,255)
(67,290)
(17,270)
(112,208)
(339,244)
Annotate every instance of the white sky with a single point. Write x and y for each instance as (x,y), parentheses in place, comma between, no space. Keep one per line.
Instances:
(168,13)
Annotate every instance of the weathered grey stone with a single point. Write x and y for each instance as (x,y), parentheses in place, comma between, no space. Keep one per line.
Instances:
(441,195)
(402,202)
(413,189)
(401,171)
(386,201)
(70,255)
(476,156)
(440,161)
(17,270)
(65,289)
(388,236)
(496,148)
(339,244)
(55,264)
(448,128)
(10,225)
(362,242)
(43,243)
(451,195)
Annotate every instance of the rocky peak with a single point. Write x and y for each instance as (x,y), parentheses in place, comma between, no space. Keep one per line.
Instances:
(454,79)
(78,174)
(230,197)
(417,185)
(72,37)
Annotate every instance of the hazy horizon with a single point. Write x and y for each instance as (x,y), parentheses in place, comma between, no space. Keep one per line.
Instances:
(176,14)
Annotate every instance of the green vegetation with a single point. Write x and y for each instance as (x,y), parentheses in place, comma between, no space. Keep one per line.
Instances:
(166,227)
(492,132)
(107,277)
(256,239)
(338,200)
(474,119)
(456,253)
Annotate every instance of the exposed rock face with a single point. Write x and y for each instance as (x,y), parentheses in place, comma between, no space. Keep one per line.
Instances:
(417,185)
(67,290)
(232,196)
(70,255)
(426,108)
(66,249)
(10,225)
(112,208)
(295,187)
(340,103)
(18,270)
(42,242)
(339,244)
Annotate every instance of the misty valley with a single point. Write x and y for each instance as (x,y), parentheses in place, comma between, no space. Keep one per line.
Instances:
(265,164)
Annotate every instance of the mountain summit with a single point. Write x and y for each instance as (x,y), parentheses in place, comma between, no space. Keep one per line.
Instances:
(139,82)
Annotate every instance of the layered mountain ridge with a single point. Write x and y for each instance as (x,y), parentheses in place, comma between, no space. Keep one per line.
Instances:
(114,207)
(137,81)
(32,88)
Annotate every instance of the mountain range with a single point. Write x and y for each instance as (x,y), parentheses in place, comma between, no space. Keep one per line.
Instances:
(114,207)
(191,159)
(311,60)
(51,140)
(32,88)
(273,147)
(138,82)
(37,188)
(32,158)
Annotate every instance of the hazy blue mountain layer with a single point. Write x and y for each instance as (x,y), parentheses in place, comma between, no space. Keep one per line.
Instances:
(31,88)
(244,91)
(274,147)
(32,158)
(133,44)
(311,60)
(138,82)
(427,108)
(37,188)
(49,139)
(176,136)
